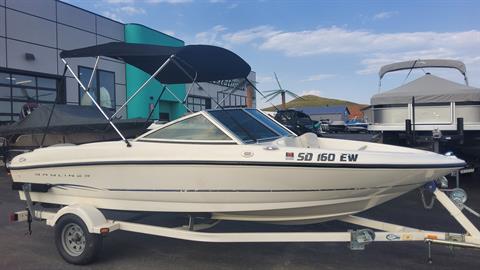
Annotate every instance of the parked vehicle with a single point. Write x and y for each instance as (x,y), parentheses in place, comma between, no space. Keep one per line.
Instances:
(298,122)
(355,125)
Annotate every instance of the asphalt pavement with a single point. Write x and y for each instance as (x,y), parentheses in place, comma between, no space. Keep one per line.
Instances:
(124,250)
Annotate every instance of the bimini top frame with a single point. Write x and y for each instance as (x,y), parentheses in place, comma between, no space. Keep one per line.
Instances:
(423,63)
(168,65)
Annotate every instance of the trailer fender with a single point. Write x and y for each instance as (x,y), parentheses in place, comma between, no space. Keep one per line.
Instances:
(91,216)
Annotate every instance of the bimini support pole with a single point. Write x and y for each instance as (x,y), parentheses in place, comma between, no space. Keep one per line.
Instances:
(93,100)
(195,82)
(143,85)
(190,88)
(178,99)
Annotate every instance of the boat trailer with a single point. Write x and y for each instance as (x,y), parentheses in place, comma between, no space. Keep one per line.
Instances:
(79,229)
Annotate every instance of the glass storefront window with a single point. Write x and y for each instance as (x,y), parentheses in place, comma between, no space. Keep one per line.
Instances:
(5,118)
(4,78)
(102,87)
(107,88)
(23,80)
(46,95)
(5,107)
(17,107)
(228,100)
(18,89)
(5,92)
(47,83)
(84,76)
(23,93)
(196,103)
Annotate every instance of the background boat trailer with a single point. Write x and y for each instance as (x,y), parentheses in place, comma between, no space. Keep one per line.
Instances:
(96,224)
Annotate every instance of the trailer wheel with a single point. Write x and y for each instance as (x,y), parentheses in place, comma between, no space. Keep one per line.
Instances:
(74,243)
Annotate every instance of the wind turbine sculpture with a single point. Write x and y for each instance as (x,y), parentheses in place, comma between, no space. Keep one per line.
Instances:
(283,92)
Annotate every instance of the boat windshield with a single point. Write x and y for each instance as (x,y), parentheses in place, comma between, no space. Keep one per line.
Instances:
(251,126)
(197,128)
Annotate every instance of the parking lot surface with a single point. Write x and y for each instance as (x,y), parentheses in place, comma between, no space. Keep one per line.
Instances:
(124,250)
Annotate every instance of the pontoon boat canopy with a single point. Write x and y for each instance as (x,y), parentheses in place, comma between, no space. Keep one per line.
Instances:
(427,89)
(423,63)
(203,62)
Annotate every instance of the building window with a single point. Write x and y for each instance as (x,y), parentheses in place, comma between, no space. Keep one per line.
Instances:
(102,88)
(16,90)
(196,103)
(228,100)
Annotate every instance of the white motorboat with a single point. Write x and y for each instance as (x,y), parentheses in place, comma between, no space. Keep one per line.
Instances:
(227,164)
(236,164)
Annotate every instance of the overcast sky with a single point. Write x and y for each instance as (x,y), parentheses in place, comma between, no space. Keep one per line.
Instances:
(329,48)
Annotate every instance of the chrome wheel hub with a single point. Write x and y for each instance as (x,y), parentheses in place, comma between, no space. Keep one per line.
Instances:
(73,239)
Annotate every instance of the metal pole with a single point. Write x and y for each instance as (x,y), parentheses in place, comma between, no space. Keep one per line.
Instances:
(143,86)
(95,102)
(155,105)
(190,88)
(178,99)
(414,137)
(195,82)
(93,73)
(53,107)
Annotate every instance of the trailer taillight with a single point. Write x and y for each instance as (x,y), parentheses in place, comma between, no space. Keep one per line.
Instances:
(13,217)
(104,231)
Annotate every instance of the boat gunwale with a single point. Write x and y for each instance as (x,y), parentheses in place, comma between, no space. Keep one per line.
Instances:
(247,163)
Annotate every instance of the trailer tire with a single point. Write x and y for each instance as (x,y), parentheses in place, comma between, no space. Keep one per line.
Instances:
(73,241)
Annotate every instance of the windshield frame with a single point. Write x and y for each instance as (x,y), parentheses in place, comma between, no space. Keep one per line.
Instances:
(261,140)
(271,119)
(233,138)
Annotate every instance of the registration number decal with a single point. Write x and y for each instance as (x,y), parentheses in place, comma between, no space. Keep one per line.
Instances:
(329,157)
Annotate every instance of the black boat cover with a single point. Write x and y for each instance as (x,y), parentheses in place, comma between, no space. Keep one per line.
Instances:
(66,119)
(204,62)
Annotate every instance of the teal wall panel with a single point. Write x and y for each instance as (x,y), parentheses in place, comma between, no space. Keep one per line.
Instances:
(140,105)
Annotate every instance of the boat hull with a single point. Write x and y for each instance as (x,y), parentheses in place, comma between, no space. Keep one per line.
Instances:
(228,191)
